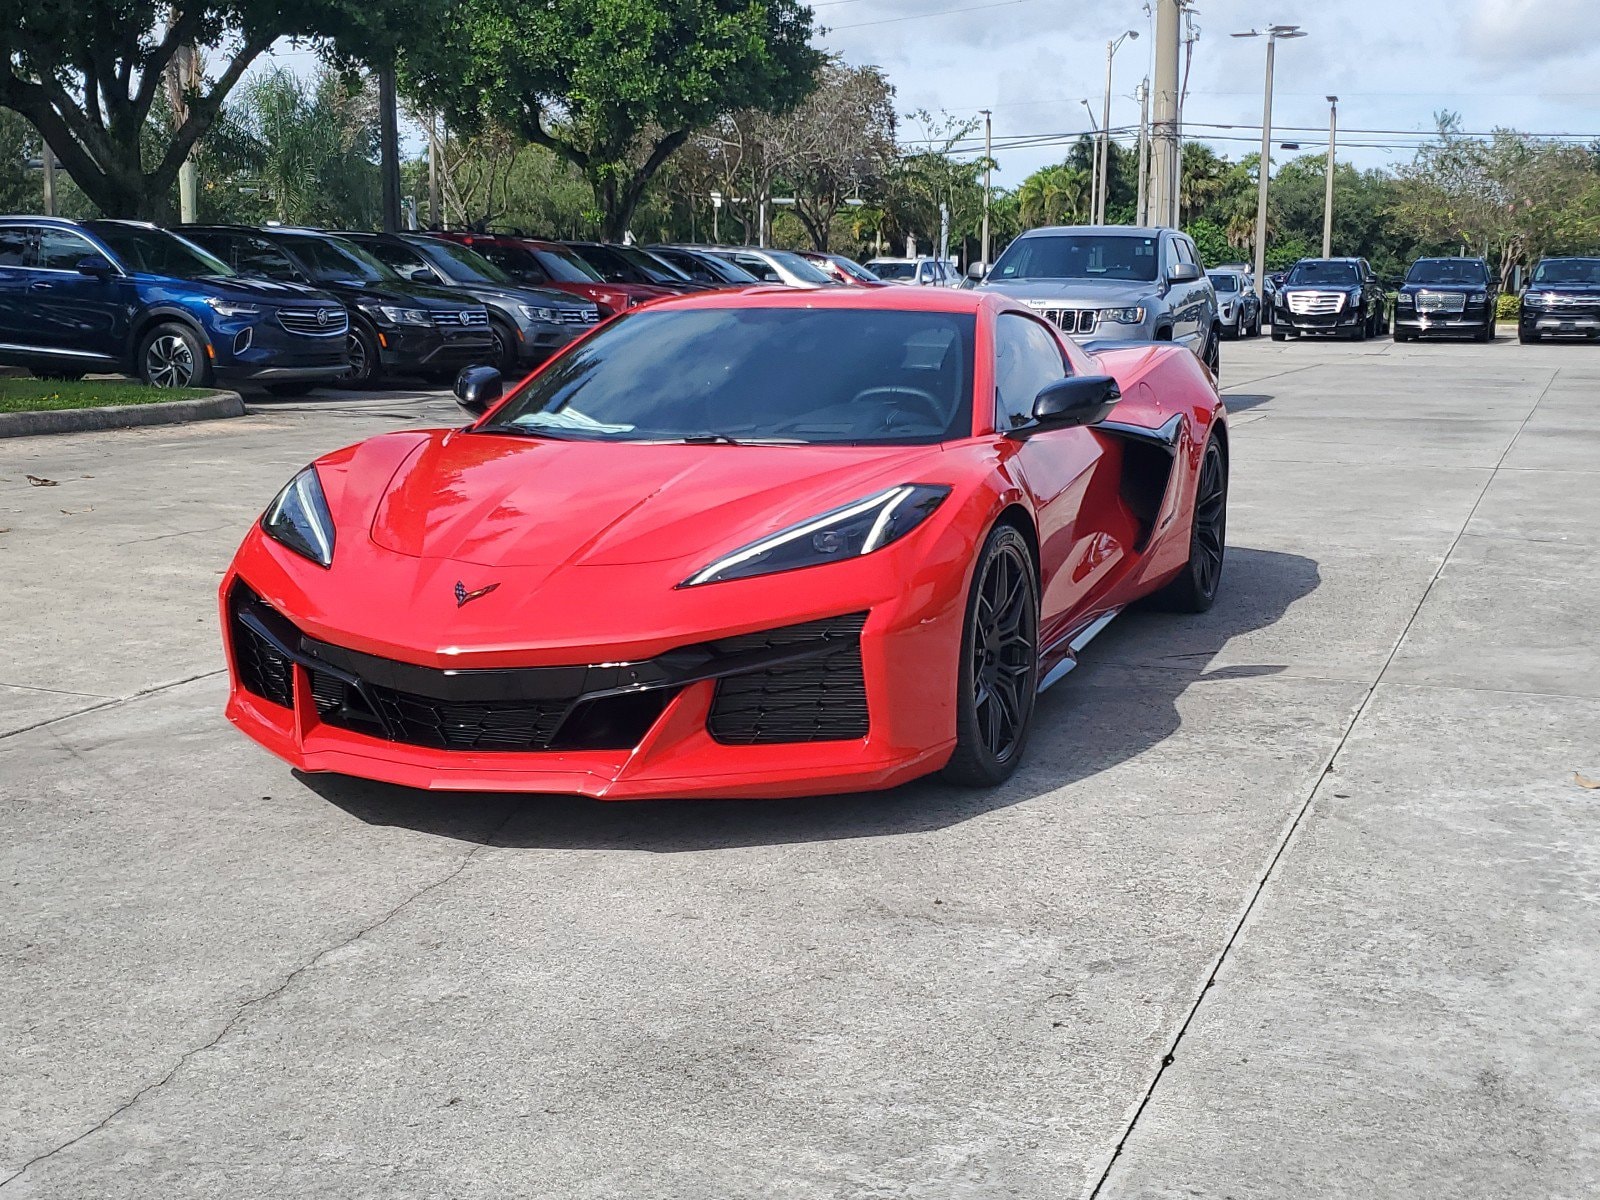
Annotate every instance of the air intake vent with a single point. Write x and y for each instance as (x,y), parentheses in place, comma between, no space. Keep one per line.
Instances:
(816,699)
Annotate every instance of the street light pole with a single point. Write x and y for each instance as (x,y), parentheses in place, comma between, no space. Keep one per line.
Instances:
(1104,188)
(1094,176)
(1143,215)
(988,162)
(1327,204)
(1274,33)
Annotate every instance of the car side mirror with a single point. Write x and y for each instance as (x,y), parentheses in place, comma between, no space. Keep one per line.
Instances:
(1183,273)
(477,388)
(977,270)
(1075,400)
(93,264)
(420,275)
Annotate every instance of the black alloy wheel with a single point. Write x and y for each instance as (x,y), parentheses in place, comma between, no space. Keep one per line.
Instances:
(505,349)
(1195,588)
(364,364)
(999,668)
(1212,356)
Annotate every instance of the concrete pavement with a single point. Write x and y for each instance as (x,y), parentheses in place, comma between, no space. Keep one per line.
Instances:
(1293,899)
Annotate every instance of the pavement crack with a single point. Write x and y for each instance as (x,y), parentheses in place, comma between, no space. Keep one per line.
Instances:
(255,1002)
(113,701)
(1298,819)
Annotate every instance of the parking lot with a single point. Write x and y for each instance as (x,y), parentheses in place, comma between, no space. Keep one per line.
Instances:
(1293,899)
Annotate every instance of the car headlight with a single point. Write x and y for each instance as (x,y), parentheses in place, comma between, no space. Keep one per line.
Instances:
(1122,316)
(547,315)
(232,308)
(396,315)
(1479,297)
(298,518)
(1534,299)
(848,532)
(1404,300)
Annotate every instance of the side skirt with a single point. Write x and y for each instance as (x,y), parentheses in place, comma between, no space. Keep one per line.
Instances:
(1065,657)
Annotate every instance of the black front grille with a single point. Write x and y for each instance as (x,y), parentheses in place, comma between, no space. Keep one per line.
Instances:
(818,699)
(442,724)
(263,670)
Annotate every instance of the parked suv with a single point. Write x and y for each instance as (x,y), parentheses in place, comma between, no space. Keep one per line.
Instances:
(1238,306)
(1447,295)
(1330,295)
(774,266)
(1114,283)
(551,265)
(123,296)
(1562,298)
(704,268)
(916,272)
(528,324)
(629,264)
(395,325)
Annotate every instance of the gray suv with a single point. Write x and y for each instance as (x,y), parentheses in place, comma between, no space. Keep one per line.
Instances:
(1114,283)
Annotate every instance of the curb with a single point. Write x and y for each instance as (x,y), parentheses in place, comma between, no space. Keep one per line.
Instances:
(215,407)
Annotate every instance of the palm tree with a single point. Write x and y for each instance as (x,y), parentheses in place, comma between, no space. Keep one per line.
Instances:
(1057,195)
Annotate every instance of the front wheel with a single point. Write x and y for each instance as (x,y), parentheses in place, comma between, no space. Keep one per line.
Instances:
(1528,339)
(998,676)
(1195,588)
(1212,354)
(171,356)
(1279,334)
(365,366)
(1488,333)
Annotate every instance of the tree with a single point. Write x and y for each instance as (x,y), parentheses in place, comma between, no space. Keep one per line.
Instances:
(88,74)
(842,142)
(615,87)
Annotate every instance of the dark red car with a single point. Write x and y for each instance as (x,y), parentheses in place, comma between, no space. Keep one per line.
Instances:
(775,542)
(550,264)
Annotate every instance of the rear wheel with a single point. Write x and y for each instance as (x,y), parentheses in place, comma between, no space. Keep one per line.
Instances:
(1195,588)
(171,356)
(998,677)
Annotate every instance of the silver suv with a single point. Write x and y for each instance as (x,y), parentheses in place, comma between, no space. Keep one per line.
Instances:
(1114,283)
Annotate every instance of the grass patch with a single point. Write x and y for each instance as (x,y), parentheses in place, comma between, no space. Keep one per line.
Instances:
(48,395)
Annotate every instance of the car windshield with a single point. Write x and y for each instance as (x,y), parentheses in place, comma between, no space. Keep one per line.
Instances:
(1568,270)
(798,267)
(565,266)
(1079,256)
(852,377)
(334,260)
(851,267)
(157,252)
(461,264)
(646,261)
(894,270)
(1341,274)
(1448,270)
(1224,282)
(619,268)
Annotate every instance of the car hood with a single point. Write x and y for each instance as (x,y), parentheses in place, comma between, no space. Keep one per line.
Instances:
(519,294)
(240,287)
(1567,289)
(1096,293)
(497,500)
(409,295)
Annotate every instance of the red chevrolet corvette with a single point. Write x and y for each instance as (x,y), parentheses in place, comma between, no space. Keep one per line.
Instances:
(756,544)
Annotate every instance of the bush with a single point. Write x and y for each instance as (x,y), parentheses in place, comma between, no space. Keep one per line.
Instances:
(1510,307)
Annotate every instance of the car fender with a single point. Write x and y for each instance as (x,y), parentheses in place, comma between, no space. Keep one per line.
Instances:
(159,313)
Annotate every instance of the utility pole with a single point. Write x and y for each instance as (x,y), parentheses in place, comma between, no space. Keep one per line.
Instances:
(1104,191)
(988,162)
(48,161)
(1273,34)
(435,203)
(1143,213)
(1327,204)
(1163,200)
(1094,174)
(389,147)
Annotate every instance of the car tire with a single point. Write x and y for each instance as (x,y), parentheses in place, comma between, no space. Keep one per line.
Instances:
(1359,332)
(366,369)
(1487,335)
(1279,334)
(1195,588)
(505,350)
(172,356)
(1255,326)
(999,661)
(1528,339)
(1212,354)
(1402,335)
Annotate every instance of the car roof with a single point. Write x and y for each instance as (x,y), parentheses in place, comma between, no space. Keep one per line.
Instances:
(905,299)
(1113,230)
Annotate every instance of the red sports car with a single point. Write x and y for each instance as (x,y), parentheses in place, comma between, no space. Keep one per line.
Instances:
(764,543)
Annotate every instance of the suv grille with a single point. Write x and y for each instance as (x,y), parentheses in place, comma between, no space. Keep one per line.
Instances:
(577,316)
(814,700)
(1447,302)
(1071,320)
(471,318)
(306,321)
(1316,304)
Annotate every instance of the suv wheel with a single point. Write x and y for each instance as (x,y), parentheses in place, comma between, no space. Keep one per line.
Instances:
(1212,355)
(171,356)
(365,367)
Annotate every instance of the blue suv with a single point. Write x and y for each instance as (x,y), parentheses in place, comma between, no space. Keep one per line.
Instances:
(123,296)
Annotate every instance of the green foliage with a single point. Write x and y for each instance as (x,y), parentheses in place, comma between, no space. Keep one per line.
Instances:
(1509,307)
(50,395)
(1211,242)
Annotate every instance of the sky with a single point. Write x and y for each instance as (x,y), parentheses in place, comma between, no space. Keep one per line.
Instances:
(1530,64)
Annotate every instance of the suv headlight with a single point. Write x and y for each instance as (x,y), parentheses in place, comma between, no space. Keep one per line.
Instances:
(298,518)
(547,315)
(848,532)
(1122,316)
(1534,299)
(1479,297)
(395,315)
(232,308)
(1404,300)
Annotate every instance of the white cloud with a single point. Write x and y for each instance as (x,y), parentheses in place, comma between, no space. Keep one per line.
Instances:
(1519,34)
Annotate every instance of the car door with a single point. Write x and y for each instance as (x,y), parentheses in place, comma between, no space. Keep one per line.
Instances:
(1059,468)
(1189,299)
(69,313)
(16,248)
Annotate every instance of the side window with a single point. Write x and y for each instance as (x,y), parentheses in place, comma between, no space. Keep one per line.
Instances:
(15,243)
(1026,358)
(1185,251)
(401,258)
(62,250)
(757,268)
(1169,255)
(251,257)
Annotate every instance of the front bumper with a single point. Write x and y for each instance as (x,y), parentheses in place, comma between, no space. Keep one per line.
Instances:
(1583,322)
(1347,319)
(1440,322)
(260,350)
(415,347)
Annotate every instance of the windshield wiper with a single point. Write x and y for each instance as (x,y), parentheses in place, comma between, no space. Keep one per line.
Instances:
(523,431)
(722,439)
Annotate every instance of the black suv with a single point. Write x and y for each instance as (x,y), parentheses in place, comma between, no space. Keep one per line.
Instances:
(1562,299)
(1446,295)
(528,324)
(1330,295)
(124,296)
(395,325)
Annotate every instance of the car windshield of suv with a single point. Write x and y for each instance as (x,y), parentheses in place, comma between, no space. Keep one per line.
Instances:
(1568,270)
(618,268)
(157,252)
(1078,256)
(564,265)
(798,267)
(784,375)
(646,261)
(851,267)
(893,271)
(1464,271)
(1339,274)
(334,260)
(1224,282)
(461,264)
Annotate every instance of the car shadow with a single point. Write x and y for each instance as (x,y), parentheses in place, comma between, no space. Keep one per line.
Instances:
(1260,585)
(1239,402)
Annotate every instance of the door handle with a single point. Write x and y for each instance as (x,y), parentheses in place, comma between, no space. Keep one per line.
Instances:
(41,286)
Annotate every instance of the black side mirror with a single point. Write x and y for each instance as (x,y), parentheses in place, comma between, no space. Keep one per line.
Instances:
(1183,273)
(477,388)
(420,275)
(93,264)
(1076,400)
